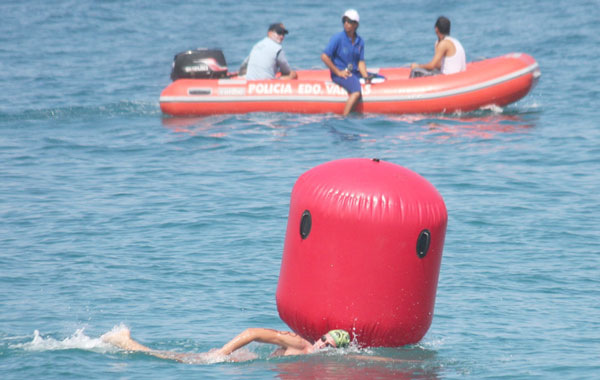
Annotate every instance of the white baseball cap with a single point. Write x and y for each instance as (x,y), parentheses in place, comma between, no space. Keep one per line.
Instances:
(352,14)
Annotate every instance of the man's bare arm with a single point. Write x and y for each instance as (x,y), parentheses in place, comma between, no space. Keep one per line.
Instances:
(436,62)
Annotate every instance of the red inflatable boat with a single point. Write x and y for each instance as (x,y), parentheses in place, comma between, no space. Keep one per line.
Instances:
(496,81)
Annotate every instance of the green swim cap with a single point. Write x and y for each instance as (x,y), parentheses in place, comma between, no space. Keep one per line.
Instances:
(340,337)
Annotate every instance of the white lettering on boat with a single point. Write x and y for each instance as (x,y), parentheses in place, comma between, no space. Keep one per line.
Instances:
(309,89)
(259,88)
(334,89)
(269,88)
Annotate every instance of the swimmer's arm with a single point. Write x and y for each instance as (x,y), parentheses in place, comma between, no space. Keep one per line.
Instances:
(280,338)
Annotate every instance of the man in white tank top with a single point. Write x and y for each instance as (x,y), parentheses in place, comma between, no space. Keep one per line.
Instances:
(449,56)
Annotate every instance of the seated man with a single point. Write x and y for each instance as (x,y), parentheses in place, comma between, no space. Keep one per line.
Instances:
(267,58)
(449,56)
(288,342)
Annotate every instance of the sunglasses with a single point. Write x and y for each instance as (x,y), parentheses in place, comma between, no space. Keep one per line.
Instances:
(346,19)
(324,339)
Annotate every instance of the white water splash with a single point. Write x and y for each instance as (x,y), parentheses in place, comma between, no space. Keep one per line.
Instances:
(80,341)
(76,341)
(493,108)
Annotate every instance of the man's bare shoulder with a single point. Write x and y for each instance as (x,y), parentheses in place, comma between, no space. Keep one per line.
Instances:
(445,44)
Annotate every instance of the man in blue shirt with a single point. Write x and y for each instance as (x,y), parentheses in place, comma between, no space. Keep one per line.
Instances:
(345,57)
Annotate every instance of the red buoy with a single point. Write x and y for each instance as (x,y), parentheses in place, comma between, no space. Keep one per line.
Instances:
(362,252)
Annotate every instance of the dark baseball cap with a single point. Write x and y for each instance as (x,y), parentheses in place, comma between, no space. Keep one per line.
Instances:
(278,28)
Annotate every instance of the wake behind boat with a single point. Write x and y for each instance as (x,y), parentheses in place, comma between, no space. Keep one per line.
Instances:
(202,86)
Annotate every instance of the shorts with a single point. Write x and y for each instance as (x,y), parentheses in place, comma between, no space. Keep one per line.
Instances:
(351,84)
(418,72)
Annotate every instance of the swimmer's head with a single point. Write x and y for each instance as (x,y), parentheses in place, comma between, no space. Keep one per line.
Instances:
(334,338)
(340,338)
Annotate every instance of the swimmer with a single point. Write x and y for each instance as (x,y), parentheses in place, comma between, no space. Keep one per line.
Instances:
(288,344)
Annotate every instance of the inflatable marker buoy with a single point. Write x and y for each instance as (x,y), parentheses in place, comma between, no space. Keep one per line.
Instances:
(362,252)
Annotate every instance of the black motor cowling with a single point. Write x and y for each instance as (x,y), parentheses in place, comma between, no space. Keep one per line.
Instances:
(199,63)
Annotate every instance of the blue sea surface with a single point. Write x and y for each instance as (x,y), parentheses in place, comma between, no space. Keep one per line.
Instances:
(112,214)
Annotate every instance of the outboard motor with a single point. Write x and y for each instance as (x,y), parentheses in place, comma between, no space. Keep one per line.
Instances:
(199,64)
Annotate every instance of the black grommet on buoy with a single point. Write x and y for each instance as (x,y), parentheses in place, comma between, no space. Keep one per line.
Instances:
(375,159)
(305,224)
(423,243)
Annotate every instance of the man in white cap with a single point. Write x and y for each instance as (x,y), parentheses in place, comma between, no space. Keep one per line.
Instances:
(267,57)
(345,58)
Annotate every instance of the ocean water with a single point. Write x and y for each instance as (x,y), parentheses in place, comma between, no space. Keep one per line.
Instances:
(113,215)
